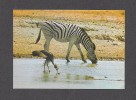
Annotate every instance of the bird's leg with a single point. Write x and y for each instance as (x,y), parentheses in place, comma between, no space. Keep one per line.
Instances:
(48,67)
(45,65)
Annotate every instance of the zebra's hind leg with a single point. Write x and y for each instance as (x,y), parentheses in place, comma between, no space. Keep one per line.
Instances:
(47,43)
(82,56)
(67,59)
(69,49)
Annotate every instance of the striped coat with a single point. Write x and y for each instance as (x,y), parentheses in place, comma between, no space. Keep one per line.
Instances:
(67,33)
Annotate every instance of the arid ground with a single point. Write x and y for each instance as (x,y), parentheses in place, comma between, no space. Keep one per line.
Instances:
(106,28)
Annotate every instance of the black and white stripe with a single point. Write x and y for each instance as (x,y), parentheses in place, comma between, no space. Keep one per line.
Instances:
(66,31)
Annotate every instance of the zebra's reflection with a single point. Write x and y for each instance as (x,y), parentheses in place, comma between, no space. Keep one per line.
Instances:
(48,77)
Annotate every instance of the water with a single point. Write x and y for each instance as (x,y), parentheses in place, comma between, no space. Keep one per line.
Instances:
(28,74)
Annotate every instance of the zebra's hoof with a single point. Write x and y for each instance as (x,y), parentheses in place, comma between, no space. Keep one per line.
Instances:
(84,61)
(68,61)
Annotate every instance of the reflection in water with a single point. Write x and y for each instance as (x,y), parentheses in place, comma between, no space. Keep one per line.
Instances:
(89,77)
(45,76)
(48,77)
(91,65)
(68,76)
(77,77)
(65,77)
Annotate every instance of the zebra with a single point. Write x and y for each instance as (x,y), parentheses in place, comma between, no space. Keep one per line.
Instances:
(71,33)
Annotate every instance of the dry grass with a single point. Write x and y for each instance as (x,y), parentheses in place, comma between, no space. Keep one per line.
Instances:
(76,15)
(103,37)
(120,38)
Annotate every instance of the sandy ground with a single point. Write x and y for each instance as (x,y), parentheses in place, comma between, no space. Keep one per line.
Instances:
(106,29)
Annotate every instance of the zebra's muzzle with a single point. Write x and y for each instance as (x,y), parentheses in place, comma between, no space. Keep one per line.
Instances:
(94,61)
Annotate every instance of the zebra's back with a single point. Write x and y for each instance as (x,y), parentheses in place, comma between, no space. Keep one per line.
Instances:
(62,32)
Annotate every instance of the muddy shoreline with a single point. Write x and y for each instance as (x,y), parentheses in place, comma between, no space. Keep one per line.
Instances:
(18,56)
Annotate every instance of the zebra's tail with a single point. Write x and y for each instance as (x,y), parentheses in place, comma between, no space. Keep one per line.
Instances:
(39,36)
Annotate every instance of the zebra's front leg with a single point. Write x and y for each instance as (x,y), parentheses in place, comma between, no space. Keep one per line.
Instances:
(68,51)
(82,56)
(47,43)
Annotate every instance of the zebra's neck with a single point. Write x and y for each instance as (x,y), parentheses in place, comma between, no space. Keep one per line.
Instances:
(86,42)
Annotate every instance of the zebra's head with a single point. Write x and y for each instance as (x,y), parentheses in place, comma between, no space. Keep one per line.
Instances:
(91,54)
